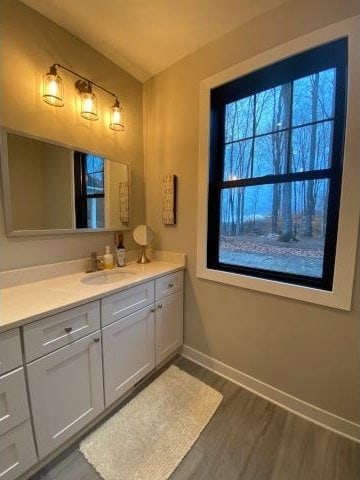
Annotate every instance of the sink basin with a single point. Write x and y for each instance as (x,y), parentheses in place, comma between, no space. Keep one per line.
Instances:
(104,277)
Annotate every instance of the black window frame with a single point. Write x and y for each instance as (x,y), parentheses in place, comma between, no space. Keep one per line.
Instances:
(81,195)
(330,55)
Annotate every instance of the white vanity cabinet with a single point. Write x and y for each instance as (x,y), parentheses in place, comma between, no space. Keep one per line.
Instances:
(142,326)
(168,315)
(80,361)
(17,450)
(66,385)
(128,348)
(128,338)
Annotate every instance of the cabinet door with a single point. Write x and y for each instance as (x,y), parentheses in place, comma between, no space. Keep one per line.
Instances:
(129,353)
(17,451)
(13,400)
(168,325)
(66,391)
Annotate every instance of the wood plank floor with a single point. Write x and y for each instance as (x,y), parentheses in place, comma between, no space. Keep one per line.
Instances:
(248,438)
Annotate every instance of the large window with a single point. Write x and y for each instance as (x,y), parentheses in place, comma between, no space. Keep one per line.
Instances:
(276,153)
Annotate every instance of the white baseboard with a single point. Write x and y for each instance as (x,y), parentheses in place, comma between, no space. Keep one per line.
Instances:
(310,412)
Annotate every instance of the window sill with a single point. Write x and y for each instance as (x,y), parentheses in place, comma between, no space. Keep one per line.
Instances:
(339,299)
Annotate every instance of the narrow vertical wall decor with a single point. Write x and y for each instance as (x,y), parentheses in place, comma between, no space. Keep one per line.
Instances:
(124,202)
(169,199)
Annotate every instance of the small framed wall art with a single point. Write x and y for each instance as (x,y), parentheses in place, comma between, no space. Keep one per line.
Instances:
(168,198)
(124,202)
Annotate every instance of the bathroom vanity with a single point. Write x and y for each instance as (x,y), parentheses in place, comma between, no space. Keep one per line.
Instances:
(72,346)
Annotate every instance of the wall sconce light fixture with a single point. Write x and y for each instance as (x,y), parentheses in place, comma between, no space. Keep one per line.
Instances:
(88,100)
(116,122)
(53,94)
(53,88)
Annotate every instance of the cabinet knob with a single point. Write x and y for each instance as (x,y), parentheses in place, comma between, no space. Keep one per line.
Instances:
(96,339)
(170,285)
(160,305)
(152,310)
(68,329)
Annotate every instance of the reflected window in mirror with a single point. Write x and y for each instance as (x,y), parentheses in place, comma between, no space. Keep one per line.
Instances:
(89,190)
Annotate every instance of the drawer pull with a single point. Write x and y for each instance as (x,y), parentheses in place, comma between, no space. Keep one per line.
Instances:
(68,329)
(160,305)
(96,339)
(170,285)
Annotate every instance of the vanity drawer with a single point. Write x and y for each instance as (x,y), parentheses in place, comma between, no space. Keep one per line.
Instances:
(17,451)
(168,284)
(51,333)
(14,407)
(120,304)
(10,350)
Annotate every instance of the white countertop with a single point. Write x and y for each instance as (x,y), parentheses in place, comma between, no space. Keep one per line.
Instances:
(26,303)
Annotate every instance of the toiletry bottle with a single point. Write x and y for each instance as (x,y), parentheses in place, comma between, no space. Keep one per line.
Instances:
(108,258)
(120,250)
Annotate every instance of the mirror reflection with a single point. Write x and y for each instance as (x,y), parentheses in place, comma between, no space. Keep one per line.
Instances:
(55,187)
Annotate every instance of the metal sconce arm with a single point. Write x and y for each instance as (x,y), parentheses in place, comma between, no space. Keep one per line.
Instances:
(90,82)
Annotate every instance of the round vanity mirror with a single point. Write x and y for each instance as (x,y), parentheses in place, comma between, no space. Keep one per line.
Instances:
(143,235)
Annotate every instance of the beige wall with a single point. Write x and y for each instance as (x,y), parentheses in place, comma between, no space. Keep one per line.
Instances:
(308,351)
(29,44)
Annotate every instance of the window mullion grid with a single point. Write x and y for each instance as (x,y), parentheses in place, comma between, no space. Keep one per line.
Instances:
(253,138)
(281,130)
(94,195)
(83,175)
(289,139)
(281,178)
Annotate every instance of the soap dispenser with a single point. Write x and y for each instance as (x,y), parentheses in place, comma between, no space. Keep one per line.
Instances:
(108,258)
(120,249)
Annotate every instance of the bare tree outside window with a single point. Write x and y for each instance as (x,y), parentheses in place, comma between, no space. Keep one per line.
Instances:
(280,226)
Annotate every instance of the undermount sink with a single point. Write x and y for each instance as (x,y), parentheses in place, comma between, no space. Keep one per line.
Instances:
(104,277)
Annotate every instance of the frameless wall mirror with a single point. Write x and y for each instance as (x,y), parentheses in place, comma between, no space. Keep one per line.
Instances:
(53,188)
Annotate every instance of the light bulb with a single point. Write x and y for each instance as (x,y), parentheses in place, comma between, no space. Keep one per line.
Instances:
(53,92)
(116,122)
(89,106)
